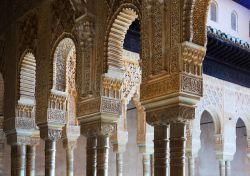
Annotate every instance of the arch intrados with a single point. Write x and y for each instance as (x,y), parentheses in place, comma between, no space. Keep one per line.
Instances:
(27,76)
(118,27)
(216,120)
(64,45)
(246,122)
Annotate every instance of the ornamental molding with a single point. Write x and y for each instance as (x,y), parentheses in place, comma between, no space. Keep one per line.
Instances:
(227,38)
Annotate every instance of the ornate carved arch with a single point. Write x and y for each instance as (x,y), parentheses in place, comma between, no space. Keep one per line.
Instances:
(64,48)
(199,19)
(27,78)
(119,24)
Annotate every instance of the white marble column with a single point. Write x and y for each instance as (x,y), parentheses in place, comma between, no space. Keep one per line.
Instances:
(102,155)
(18,160)
(70,146)
(152,163)
(119,164)
(177,148)
(50,157)
(228,168)
(191,166)
(146,165)
(91,155)
(31,160)
(160,150)
(1,157)
(222,168)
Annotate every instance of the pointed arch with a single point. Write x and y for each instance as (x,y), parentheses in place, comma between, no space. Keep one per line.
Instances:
(27,78)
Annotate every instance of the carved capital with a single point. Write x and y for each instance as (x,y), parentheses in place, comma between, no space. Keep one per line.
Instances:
(103,129)
(167,115)
(54,134)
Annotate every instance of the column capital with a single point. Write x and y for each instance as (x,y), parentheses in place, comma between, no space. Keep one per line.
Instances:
(53,134)
(171,114)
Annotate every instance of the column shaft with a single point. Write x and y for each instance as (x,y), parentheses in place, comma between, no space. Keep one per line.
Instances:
(102,155)
(18,160)
(152,163)
(146,165)
(50,156)
(190,166)
(31,160)
(177,148)
(228,168)
(1,157)
(222,168)
(70,161)
(160,150)
(119,164)
(91,155)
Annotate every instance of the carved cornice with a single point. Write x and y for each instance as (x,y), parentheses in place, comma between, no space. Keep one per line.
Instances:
(228,38)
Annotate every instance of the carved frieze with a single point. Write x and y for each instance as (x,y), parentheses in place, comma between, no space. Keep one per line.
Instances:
(160,87)
(110,105)
(191,84)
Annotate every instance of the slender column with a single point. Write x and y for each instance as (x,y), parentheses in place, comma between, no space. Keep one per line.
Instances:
(177,148)
(190,166)
(70,159)
(18,160)
(146,165)
(91,155)
(50,156)
(222,168)
(160,150)
(1,157)
(228,168)
(119,164)
(102,155)
(152,163)
(31,160)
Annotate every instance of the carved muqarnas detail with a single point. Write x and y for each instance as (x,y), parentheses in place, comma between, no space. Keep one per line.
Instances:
(57,108)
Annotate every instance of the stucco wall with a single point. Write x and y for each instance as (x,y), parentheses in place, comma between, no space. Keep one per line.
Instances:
(225,8)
